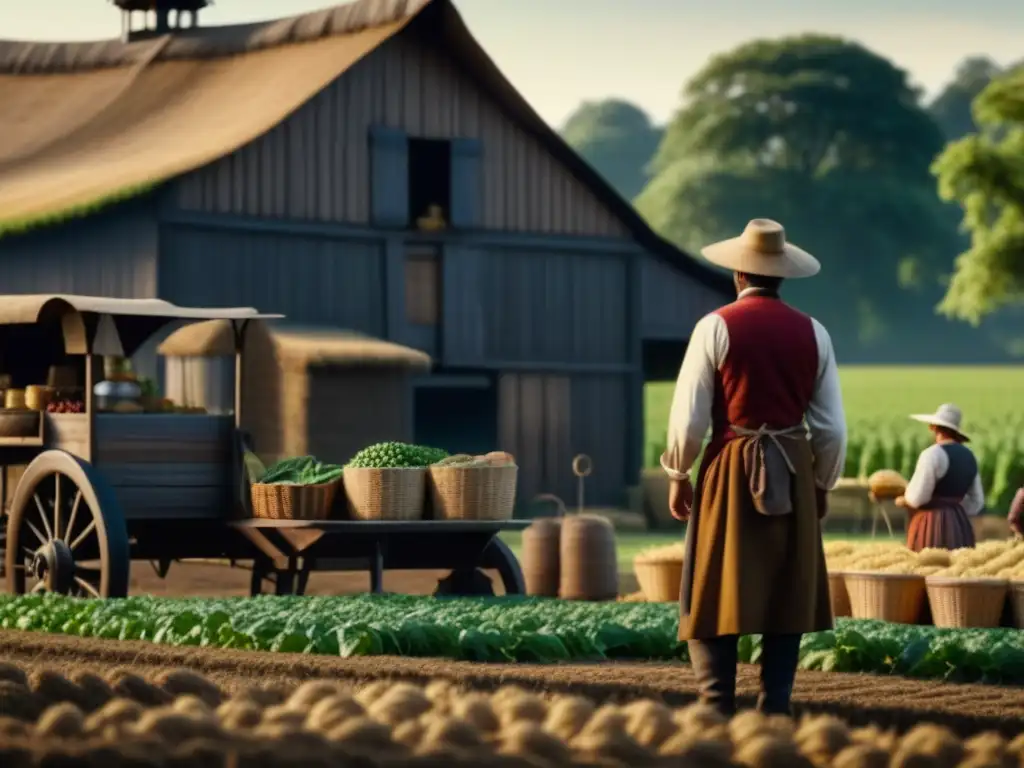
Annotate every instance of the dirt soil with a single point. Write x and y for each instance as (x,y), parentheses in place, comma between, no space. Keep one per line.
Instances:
(860,699)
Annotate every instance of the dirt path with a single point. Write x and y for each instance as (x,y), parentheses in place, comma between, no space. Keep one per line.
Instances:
(202,580)
(859,698)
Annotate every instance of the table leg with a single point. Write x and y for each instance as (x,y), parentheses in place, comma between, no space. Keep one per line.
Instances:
(377,570)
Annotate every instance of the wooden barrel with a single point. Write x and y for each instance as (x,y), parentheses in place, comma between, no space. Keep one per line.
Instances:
(541,543)
(589,568)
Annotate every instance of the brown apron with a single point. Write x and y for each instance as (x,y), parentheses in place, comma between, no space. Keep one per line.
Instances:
(745,571)
(767,464)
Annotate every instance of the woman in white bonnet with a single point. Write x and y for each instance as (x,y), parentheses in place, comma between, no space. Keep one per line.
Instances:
(945,491)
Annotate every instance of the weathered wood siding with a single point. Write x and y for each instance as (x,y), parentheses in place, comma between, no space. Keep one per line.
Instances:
(311,280)
(503,305)
(111,253)
(316,165)
(545,420)
(673,301)
(167,466)
(601,430)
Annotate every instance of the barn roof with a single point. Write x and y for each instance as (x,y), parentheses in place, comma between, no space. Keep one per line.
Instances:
(87,124)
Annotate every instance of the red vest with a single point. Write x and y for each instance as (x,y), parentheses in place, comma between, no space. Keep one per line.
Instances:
(768,376)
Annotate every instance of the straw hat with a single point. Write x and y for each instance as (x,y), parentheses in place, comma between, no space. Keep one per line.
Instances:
(947,416)
(762,250)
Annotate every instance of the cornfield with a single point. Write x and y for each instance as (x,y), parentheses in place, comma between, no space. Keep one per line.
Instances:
(878,401)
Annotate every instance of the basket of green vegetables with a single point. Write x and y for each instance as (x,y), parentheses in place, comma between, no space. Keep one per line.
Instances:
(388,481)
(300,488)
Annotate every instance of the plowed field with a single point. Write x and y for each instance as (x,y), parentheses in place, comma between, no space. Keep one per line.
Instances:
(858,698)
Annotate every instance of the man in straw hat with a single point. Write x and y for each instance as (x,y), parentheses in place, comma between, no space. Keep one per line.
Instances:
(753,372)
(945,490)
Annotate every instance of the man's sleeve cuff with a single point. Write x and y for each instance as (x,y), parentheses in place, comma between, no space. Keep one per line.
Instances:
(674,474)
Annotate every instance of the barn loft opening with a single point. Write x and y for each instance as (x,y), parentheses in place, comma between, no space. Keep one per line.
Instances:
(430,183)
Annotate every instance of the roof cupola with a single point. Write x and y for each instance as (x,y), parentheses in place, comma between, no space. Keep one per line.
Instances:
(159,17)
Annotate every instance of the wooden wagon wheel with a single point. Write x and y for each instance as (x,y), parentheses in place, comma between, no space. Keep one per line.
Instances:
(66,532)
(473,582)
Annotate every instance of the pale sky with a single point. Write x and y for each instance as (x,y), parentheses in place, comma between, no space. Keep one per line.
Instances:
(560,52)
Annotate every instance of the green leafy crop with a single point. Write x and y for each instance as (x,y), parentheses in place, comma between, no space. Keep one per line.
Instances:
(500,629)
(392,455)
(301,470)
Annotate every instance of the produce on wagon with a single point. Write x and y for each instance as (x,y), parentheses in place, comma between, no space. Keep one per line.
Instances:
(301,470)
(500,629)
(122,718)
(396,455)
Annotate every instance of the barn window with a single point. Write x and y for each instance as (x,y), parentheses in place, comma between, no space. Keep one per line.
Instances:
(430,183)
(422,285)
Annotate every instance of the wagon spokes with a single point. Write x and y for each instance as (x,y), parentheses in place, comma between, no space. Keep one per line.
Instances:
(74,513)
(82,536)
(68,524)
(88,581)
(44,517)
(35,531)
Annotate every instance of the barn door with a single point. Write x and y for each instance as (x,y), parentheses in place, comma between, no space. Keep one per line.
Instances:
(535,426)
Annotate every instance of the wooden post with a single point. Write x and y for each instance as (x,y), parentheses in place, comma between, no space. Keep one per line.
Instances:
(239,329)
(90,408)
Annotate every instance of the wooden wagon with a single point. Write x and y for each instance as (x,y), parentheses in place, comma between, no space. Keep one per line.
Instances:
(101,489)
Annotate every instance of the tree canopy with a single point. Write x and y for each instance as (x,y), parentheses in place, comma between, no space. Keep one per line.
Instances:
(984,173)
(951,109)
(617,138)
(831,139)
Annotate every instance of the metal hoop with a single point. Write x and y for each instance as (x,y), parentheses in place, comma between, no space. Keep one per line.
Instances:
(582,465)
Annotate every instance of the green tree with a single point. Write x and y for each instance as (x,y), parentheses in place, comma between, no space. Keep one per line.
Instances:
(617,138)
(952,107)
(831,139)
(984,173)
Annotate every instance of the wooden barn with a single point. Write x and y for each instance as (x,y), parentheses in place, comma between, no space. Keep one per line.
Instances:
(366,168)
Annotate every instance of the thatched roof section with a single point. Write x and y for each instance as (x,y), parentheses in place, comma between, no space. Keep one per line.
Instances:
(88,124)
(191,44)
(295,345)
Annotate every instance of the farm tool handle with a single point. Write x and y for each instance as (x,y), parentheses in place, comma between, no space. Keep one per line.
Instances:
(880,507)
(582,466)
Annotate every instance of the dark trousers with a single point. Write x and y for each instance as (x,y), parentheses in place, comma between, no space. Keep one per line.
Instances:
(714,665)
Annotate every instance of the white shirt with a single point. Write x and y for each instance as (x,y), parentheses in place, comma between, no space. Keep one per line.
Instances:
(690,417)
(932,466)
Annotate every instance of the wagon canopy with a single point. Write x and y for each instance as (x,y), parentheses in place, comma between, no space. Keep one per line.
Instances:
(119,326)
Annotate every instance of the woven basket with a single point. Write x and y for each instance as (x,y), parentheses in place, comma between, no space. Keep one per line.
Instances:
(659,579)
(19,423)
(473,493)
(839,596)
(589,568)
(385,494)
(1016,596)
(272,501)
(541,557)
(966,603)
(895,597)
